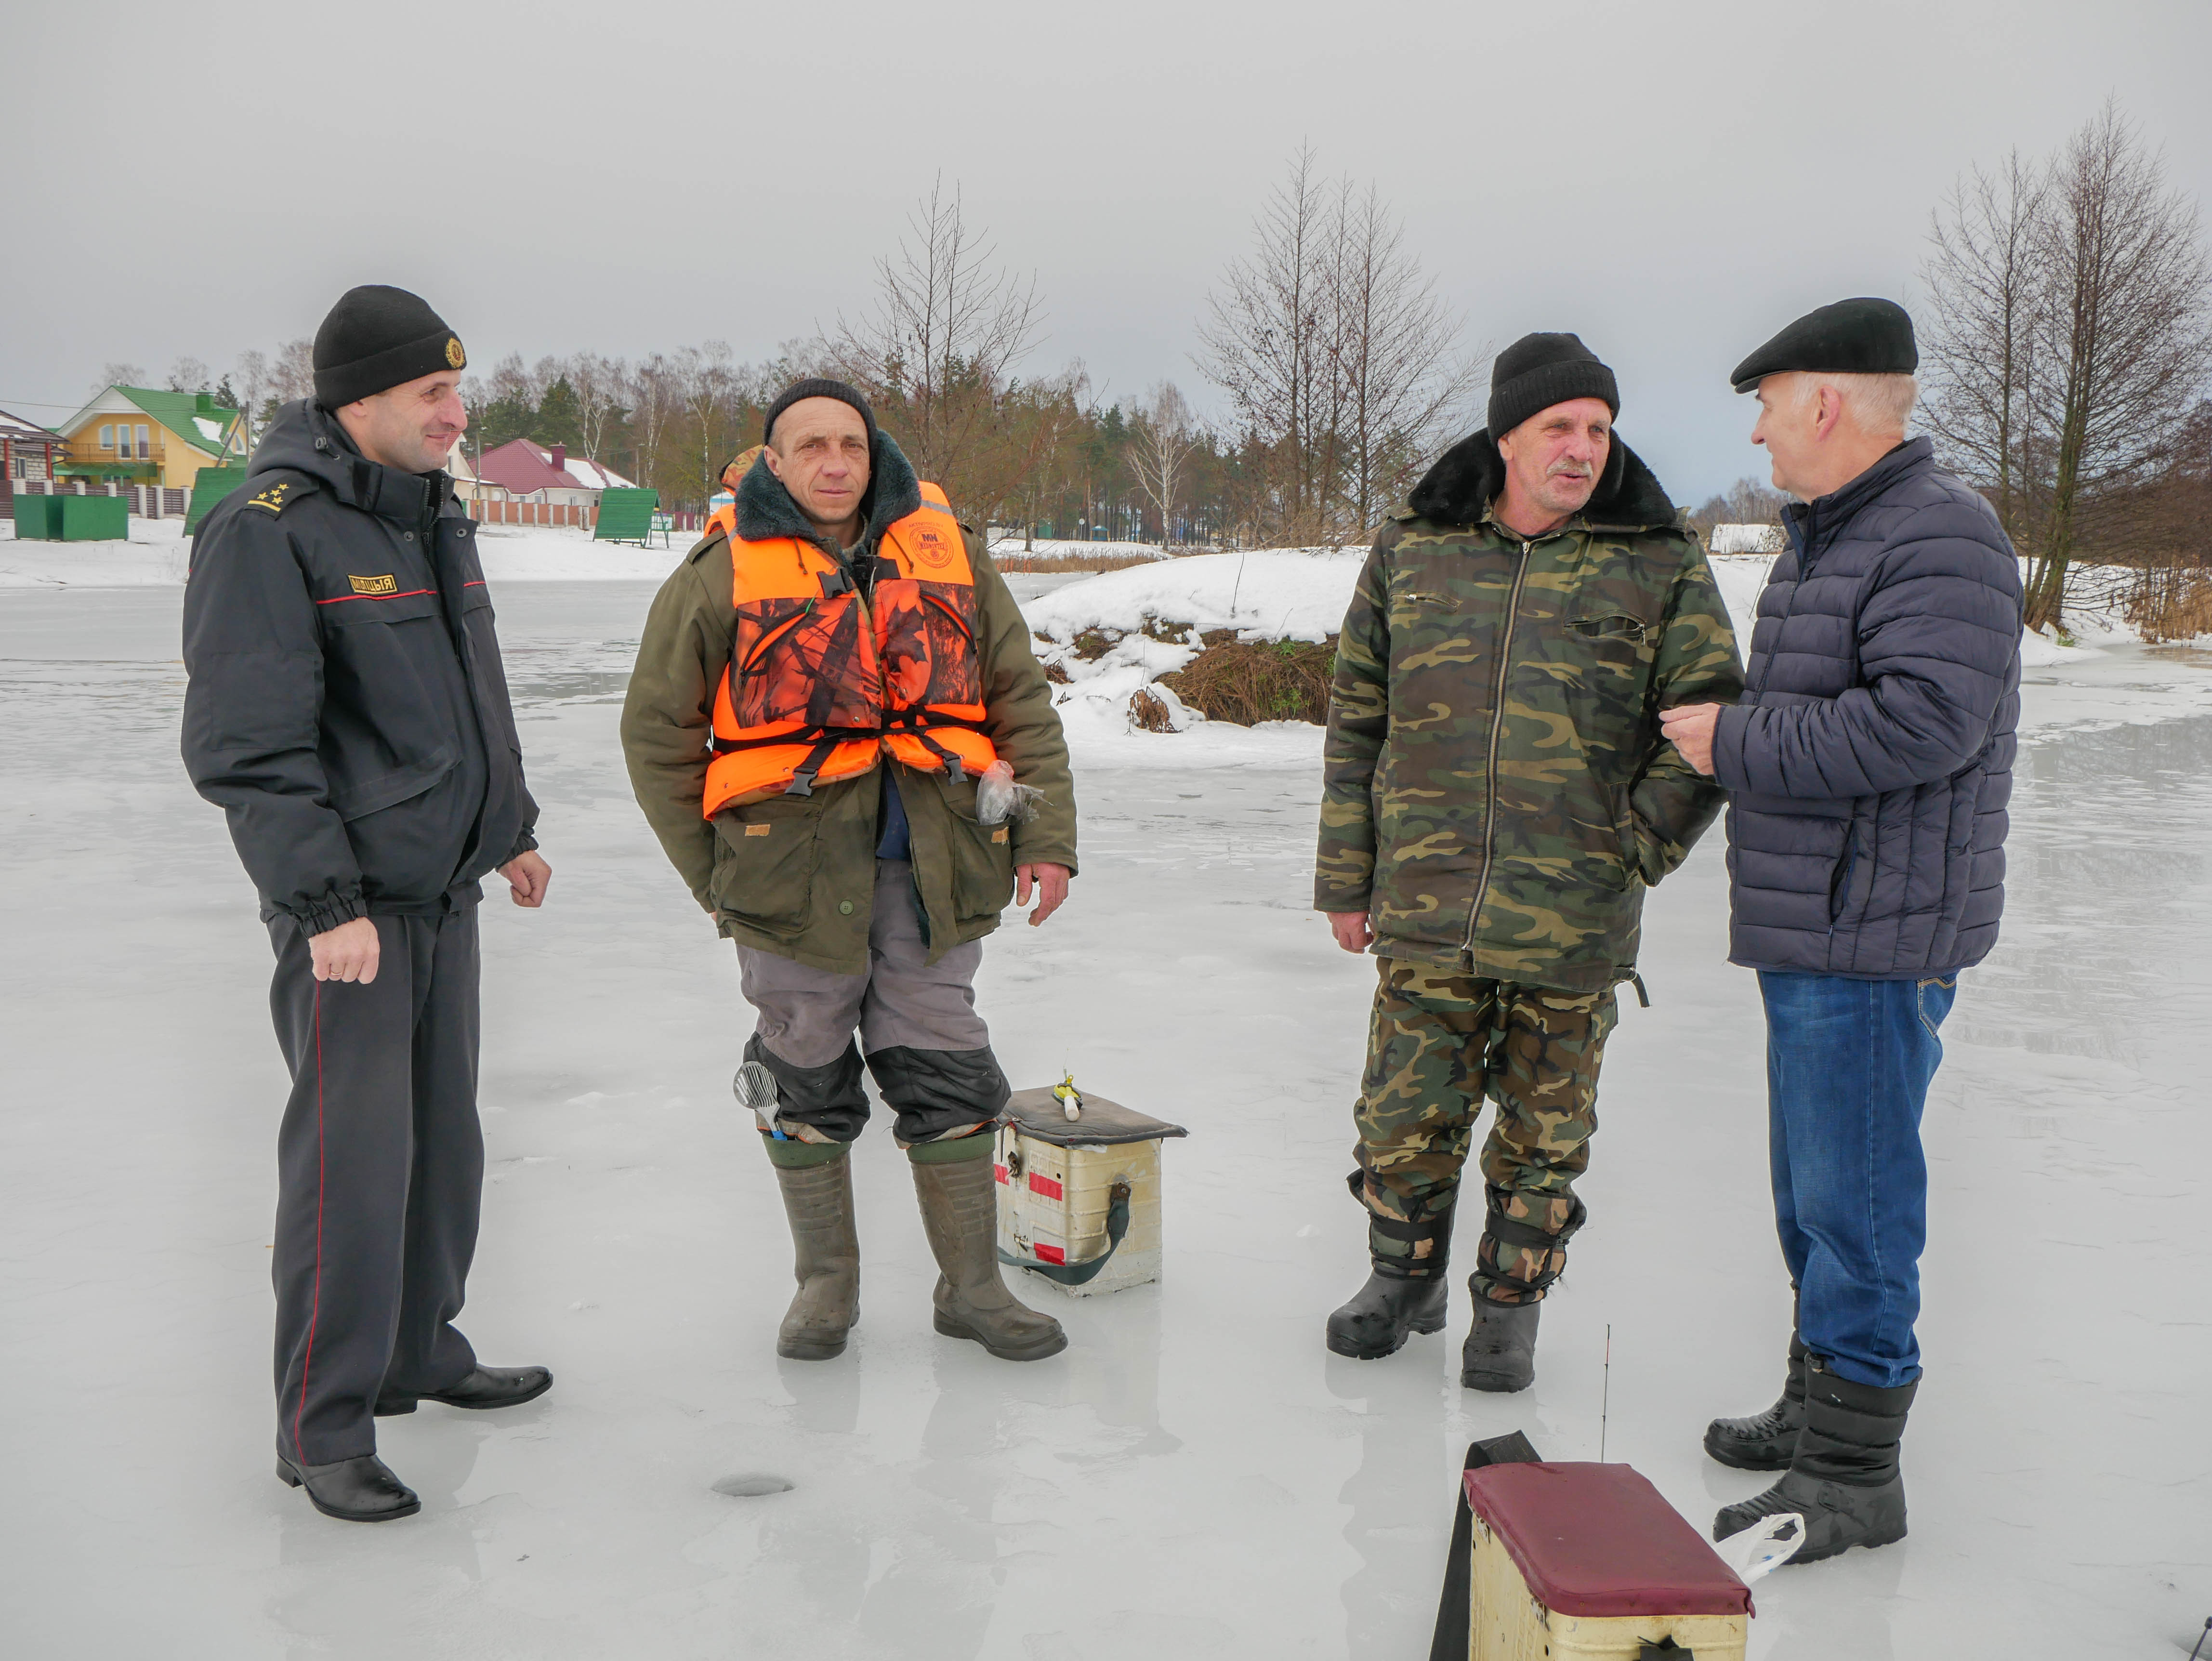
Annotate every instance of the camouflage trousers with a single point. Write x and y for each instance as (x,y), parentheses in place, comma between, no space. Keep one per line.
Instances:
(1438,1042)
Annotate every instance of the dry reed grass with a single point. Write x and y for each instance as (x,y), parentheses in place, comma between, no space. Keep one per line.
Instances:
(1244,683)
(2170,603)
(1148,712)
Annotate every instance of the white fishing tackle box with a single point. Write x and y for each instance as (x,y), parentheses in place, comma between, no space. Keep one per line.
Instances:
(1079,1199)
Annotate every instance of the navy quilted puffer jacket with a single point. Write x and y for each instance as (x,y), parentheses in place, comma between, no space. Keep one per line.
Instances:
(1870,762)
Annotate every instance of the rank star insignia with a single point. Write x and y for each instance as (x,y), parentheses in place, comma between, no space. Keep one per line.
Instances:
(454,355)
(273,499)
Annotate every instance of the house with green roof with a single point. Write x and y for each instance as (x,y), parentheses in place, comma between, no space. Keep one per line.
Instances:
(140,436)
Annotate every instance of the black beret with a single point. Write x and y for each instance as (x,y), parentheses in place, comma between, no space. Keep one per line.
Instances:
(1852,337)
(819,386)
(376,338)
(1539,370)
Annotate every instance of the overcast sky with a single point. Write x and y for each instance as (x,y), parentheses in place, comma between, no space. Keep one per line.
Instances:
(1673,181)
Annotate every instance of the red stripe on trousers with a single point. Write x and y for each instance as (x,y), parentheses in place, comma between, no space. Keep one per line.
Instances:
(315,1305)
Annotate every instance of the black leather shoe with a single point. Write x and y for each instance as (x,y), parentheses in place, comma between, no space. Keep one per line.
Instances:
(1385,1311)
(482,1387)
(362,1490)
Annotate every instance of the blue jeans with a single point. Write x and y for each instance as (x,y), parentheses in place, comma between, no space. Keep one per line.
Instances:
(1848,1065)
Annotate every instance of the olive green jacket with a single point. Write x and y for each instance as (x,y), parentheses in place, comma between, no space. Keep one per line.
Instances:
(1497,792)
(795,875)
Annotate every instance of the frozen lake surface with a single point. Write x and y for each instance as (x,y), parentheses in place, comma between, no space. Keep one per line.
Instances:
(1195,1476)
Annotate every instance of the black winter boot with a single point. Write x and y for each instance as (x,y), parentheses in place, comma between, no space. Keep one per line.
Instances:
(1766,1440)
(1844,1478)
(1500,1352)
(1388,1310)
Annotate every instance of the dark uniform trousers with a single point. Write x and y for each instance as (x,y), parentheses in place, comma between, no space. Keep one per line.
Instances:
(380,1174)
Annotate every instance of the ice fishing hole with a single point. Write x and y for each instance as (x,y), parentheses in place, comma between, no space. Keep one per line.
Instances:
(754,1485)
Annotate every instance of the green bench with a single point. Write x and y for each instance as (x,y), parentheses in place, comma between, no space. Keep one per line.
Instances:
(629,515)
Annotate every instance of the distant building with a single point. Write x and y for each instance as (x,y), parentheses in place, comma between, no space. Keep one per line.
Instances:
(1745,539)
(140,436)
(28,452)
(530,471)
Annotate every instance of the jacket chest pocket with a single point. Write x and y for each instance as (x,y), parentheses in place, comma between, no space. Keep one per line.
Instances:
(1609,654)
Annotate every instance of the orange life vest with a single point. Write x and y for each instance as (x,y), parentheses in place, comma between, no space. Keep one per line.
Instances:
(822,683)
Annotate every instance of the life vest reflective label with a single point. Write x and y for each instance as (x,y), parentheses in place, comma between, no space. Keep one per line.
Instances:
(820,682)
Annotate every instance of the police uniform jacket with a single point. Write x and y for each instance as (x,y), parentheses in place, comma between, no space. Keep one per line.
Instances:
(346,706)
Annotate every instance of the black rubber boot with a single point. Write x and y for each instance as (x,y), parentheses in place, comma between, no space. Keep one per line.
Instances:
(482,1388)
(1766,1440)
(1844,1478)
(1500,1354)
(1388,1310)
(362,1490)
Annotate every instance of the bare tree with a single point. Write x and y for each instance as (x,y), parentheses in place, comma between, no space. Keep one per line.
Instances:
(597,384)
(119,374)
(1986,277)
(708,385)
(938,354)
(1163,437)
(293,374)
(249,378)
(1265,342)
(1343,365)
(651,392)
(189,375)
(1406,386)
(2124,332)
(1747,501)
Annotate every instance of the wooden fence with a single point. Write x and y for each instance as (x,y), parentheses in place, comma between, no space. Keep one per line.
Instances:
(495,512)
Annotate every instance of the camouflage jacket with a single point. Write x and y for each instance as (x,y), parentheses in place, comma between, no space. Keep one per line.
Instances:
(1496,790)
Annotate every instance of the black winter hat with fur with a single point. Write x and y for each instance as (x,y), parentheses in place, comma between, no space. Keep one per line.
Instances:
(819,386)
(1539,370)
(376,338)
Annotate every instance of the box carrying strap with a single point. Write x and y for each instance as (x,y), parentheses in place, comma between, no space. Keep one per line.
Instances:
(1076,1275)
(1451,1640)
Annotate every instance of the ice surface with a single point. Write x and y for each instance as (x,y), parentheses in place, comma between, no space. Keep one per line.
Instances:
(1196,1476)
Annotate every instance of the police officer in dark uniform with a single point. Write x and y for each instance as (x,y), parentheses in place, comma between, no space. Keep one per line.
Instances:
(348,712)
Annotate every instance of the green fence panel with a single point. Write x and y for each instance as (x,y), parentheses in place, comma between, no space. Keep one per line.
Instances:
(209,486)
(38,518)
(626,515)
(95,519)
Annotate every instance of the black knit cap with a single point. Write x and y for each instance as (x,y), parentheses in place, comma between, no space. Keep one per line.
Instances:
(817,387)
(376,338)
(1539,370)
(1865,336)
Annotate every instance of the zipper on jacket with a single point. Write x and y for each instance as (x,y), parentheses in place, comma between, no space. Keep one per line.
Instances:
(1497,731)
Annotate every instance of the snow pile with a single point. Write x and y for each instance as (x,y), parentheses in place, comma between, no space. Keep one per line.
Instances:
(1113,635)
(156,556)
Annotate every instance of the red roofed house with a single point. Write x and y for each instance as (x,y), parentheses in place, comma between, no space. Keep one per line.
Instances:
(543,486)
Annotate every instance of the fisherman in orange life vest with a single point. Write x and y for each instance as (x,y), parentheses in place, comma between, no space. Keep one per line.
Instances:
(725,516)
(839,731)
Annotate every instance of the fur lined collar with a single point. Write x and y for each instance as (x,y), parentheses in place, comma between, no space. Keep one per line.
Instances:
(765,511)
(1467,478)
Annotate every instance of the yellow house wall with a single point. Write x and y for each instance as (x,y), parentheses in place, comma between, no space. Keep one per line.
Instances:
(181,460)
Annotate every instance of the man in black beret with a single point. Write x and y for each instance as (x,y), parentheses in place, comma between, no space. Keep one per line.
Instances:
(348,711)
(1496,798)
(1868,769)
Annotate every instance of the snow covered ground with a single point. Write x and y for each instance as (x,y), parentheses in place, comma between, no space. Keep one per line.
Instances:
(1196,1476)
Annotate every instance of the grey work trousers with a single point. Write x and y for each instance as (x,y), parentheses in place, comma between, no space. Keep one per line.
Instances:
(380,1174)
(929,1050)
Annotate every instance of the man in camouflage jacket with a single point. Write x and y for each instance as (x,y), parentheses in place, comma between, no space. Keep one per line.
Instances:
(1497,796)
